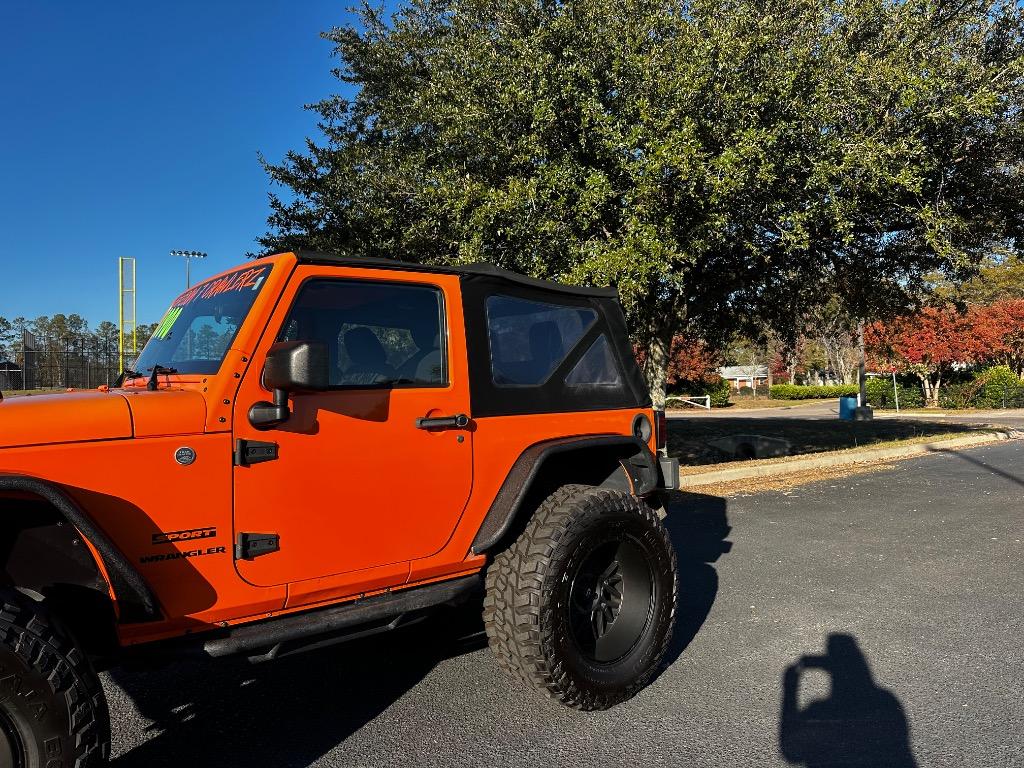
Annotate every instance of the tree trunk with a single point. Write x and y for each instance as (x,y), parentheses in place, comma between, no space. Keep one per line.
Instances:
(655,365)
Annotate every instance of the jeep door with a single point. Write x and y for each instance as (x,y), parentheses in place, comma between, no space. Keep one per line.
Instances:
(358,489)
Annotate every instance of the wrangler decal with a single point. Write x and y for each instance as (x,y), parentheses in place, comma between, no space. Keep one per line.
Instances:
(164,556)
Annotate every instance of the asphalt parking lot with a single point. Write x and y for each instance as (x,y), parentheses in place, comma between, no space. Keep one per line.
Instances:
(870,621)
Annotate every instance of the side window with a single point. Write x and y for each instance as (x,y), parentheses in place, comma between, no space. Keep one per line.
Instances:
(377,334)
(597,367)
(529,339)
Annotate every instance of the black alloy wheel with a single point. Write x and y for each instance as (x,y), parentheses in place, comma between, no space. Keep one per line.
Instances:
(611,601)
(12,746)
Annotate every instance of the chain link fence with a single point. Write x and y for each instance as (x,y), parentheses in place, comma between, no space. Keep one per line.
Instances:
(75,364)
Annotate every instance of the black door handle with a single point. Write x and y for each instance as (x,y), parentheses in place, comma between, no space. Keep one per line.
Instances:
(458,421)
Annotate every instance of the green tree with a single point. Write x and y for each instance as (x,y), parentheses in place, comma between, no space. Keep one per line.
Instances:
(717,160)
(1001,277)
(7,338)
(143,333)
(105,346)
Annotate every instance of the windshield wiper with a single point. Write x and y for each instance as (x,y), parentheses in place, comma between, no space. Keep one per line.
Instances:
(125,374)
(151,385)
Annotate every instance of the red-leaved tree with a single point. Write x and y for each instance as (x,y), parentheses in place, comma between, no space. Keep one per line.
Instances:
(998,331)
(927,344)
(691,359)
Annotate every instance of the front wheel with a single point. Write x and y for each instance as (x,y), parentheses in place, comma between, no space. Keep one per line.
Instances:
(52,708)
(582,604)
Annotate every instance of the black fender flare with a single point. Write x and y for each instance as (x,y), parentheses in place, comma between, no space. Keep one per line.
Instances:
(129,586)
(639,464)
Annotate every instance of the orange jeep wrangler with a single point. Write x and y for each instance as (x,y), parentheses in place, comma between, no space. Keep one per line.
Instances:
(316,448)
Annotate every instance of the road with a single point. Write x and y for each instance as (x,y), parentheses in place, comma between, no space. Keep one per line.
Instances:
(1013,417)
(904,589)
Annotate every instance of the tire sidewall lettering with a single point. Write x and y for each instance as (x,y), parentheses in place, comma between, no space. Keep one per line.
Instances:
(40,714)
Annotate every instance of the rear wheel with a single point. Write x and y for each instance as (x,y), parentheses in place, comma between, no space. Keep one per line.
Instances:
(52,709)
(582,604)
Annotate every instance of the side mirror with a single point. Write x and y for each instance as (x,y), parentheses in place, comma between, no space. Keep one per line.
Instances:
(291,367)
(296,366)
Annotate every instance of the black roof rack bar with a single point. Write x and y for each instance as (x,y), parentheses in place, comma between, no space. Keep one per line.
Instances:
(479,268)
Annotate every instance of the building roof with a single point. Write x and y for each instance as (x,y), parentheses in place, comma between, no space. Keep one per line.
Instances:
(743,371)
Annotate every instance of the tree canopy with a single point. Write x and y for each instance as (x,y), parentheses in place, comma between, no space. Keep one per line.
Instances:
(723,162)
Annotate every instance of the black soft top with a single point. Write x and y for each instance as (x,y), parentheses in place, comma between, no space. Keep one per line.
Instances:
(476,268)
(605,342)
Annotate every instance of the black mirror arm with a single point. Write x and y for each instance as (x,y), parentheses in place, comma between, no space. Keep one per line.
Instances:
(264,415)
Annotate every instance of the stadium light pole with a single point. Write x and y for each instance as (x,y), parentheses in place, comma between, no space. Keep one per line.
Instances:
(188,256)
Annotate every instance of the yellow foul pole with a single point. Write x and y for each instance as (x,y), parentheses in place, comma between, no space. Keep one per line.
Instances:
(126,310)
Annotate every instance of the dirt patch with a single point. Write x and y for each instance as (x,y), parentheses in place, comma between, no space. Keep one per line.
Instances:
(782,482)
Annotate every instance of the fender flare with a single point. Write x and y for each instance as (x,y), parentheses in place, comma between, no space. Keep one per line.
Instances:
(126,581)
(635,458)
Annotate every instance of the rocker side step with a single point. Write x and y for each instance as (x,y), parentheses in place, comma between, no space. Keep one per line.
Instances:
(264,636)
(294,633)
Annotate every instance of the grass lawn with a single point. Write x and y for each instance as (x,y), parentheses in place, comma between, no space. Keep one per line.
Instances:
(750,403)
(689,439)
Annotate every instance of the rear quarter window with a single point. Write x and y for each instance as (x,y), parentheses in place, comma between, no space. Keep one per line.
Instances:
(529,339)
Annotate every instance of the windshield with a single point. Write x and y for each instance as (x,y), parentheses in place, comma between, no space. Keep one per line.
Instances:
(196,332)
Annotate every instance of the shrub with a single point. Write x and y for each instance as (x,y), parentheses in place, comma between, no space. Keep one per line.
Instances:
(958,395)
(997,386)
(880,394)
(718,390)
(811,392)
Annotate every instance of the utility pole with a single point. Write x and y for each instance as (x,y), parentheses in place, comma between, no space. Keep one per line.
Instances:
(188,256)
(862,397)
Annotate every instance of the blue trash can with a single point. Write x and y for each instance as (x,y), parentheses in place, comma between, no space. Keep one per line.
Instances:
(847,407)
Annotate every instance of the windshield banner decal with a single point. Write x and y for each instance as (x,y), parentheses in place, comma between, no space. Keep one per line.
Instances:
(242,280)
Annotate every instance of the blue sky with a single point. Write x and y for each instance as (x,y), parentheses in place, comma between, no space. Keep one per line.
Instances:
(132,128)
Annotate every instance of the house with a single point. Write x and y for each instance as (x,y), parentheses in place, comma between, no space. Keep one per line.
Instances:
(744,375)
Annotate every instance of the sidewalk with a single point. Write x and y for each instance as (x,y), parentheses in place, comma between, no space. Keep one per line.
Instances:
(693,477)
(830,410)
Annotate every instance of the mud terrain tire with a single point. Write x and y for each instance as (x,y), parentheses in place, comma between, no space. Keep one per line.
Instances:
(582,604)
(52,708)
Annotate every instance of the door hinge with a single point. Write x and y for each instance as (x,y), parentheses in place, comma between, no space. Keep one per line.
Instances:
(251,545)
(253,452)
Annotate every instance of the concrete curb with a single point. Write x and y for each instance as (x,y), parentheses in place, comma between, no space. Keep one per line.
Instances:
(841,459)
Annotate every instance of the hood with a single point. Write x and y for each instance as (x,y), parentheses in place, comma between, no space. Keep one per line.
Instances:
(166,411)
(70,417)
(63,418)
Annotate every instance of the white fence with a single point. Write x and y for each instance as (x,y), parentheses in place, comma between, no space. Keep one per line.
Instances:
(697,401)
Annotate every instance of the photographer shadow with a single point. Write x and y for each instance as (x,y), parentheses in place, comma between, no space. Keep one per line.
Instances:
(858,724)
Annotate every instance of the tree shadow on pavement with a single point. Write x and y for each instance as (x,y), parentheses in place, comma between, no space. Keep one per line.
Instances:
(693,439)
(288,713)
(859,724)
(979,463)
(698,525)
